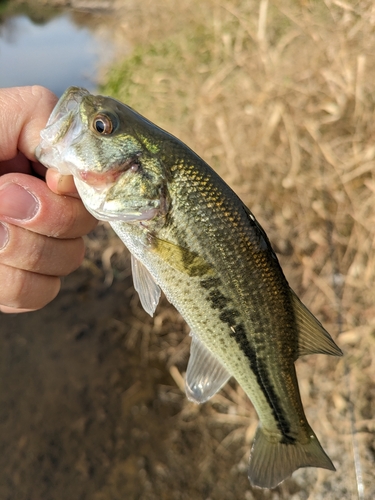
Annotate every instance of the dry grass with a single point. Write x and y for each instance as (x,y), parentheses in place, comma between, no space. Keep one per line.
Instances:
(279,98)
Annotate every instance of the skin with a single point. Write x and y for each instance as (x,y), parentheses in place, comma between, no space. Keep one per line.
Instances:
(42,219)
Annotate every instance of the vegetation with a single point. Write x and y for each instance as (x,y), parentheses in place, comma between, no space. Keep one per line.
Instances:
(38,11)
(279,98)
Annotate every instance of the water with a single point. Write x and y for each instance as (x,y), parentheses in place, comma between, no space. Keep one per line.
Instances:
(56,55)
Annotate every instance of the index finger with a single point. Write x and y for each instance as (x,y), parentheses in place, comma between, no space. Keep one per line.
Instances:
(24,111)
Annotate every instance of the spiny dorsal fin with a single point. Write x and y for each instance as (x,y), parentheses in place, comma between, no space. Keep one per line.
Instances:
(313,338)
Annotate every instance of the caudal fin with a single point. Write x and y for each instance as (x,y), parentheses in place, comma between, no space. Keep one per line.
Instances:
(271,463)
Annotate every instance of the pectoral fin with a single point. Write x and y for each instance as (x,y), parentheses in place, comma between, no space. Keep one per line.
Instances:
(313,338)
(205,375)
(148,290)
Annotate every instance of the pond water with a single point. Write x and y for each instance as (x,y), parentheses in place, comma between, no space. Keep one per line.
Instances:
(56,54)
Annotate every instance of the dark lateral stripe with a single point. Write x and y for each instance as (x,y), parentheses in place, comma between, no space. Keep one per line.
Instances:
(258,366)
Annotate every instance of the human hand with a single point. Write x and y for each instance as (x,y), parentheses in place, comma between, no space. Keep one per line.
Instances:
(41,223)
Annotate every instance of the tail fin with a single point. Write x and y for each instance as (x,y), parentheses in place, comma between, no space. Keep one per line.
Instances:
(272,462)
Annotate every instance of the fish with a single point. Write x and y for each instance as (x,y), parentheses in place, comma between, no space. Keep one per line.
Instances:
(192,237)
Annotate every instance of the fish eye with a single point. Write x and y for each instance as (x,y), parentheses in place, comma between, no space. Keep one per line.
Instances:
(103,125)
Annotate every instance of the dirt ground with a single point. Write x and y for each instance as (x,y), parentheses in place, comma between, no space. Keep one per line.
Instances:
(89,409)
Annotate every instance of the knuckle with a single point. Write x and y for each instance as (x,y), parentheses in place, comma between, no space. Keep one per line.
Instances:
(34,258)
(16,286)
(73,220)
(65,221)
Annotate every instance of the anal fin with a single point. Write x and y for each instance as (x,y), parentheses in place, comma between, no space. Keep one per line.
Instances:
(205,375)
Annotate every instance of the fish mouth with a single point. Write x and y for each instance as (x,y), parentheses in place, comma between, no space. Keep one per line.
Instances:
(62,129)
(102,179)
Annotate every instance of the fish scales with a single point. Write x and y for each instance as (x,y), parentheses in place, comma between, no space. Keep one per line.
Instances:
(246,257)
(190,235)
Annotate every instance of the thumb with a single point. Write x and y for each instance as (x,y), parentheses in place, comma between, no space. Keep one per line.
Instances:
(61,184)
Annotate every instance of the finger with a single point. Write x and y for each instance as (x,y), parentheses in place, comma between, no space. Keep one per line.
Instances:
(26,290)
(37,253)
(21,164)
(17,164)
(13,310)
(61,184)
(24,112)
(27,201)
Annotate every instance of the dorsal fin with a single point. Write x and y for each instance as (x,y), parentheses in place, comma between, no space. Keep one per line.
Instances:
(313,338)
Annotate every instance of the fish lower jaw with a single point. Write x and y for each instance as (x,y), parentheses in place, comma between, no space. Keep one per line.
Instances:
(127,216)
(108,211)
(101,208)
(99,180)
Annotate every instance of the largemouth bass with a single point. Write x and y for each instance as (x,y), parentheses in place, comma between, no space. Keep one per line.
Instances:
(192,237)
